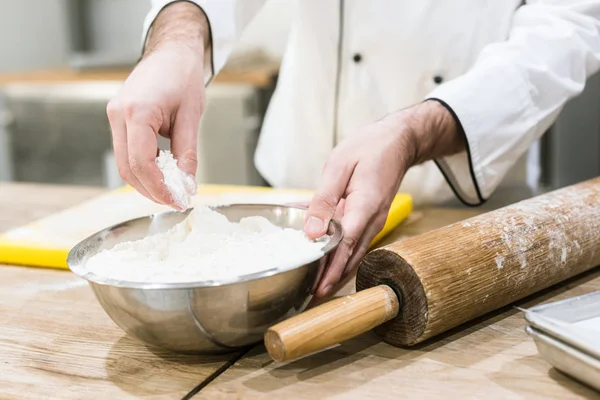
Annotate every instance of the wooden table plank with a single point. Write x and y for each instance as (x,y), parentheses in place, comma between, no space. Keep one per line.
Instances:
(489,358)
(21,203)
(55,339)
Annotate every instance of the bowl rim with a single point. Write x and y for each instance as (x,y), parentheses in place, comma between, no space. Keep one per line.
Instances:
(74,258)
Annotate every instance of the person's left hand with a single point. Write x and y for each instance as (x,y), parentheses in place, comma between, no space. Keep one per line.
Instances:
(361,179)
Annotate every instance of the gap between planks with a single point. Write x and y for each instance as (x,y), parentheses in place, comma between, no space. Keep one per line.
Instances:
(230,363)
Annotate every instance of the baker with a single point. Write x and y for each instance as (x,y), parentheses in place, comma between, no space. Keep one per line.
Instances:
(429,97)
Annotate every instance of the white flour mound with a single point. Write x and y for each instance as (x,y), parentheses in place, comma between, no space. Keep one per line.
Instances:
(206,246)
(180,184)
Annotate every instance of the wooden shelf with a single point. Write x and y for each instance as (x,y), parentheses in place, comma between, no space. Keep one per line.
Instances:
(257,76)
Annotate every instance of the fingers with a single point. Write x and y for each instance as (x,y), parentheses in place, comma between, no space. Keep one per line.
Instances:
(141,146)
(119,136)
(358,215)
(363,246)
(322,208)
(322,266)
(184,138)
(339,211)
(134,129)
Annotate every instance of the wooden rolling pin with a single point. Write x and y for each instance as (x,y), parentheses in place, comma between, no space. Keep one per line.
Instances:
(416,288)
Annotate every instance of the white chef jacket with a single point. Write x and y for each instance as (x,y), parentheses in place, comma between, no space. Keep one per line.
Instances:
(504,68)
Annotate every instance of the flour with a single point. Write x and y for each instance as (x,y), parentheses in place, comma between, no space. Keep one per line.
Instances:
(499,262)
(180,184)
(206,246)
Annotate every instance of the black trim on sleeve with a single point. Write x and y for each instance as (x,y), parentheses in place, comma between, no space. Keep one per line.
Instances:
(212,47)
(338,72)
(210,33)
(471,170)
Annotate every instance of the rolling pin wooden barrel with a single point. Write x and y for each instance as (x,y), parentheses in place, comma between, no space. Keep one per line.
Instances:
(419,287)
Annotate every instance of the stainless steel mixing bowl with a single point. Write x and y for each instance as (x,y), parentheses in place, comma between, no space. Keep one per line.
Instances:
(203,317)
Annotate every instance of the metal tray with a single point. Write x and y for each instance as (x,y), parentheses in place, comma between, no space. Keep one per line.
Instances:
(577,364)
(562,339)
(562,320)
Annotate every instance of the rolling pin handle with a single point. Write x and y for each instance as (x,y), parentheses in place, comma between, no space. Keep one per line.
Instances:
(331,323)
(397,291)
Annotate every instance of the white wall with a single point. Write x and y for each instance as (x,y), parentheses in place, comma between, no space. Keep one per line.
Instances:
(116,25)
(33,34)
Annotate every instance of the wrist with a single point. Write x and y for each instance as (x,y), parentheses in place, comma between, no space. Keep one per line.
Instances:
(432,130)
(180,25)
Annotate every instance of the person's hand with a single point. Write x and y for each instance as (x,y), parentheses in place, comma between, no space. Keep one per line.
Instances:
(164,95)
(362,177)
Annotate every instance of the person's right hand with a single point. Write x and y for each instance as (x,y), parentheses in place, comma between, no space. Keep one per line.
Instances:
(164,95)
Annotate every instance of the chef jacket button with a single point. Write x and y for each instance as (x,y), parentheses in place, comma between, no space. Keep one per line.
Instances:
(438,79)
(357,57)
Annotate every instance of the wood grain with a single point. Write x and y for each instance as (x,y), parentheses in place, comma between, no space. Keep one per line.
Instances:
(490,357)
(331,323)
(56,341)
(21,203)
(456,273)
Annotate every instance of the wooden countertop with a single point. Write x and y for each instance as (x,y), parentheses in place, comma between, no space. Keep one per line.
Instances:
(57,342)
(55,339)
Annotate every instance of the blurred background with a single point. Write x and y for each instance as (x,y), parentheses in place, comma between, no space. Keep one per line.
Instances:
(62,60)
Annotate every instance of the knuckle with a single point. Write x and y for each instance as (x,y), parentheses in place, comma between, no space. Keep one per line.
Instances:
(132,108)
(141,109)
(336,152)
(113,109)
(349,242)
(328,199)
(335,158)
(135,166)
(343,157)
(191,162)
(190,157)
(124,173)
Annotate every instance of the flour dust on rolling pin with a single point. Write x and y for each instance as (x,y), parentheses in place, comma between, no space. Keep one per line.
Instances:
(561,218)
(453,274)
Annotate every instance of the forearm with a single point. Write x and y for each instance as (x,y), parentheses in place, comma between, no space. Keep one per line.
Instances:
(182,24)
(516,89)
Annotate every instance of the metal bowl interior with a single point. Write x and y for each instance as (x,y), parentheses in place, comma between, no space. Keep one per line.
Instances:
(210,316)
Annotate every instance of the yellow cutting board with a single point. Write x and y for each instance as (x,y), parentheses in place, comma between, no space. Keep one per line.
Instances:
(47,242)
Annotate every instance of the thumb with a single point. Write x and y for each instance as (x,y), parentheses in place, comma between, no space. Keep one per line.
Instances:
(320,212)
